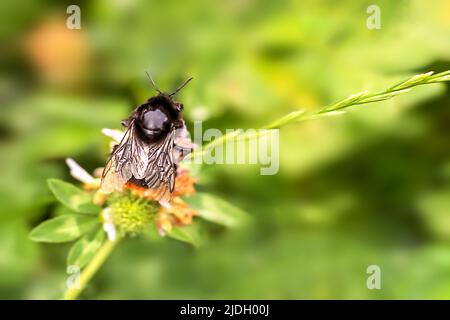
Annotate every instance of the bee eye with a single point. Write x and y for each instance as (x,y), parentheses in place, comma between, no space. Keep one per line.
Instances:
(180,107)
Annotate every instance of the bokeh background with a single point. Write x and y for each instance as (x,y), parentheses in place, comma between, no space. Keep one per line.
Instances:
(368,187)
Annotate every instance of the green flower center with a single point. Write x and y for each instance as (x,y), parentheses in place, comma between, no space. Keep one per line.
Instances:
(132,215)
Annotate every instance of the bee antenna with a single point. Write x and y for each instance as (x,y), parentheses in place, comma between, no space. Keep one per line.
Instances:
(153,83)
(181,87)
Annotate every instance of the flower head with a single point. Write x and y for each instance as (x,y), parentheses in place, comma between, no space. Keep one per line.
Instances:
(132,214)
(108,224)
(77,172)
(178,214)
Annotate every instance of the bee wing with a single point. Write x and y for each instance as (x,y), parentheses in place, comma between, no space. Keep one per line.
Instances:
(111,181)
(161,169)
(128,158)
(138,156)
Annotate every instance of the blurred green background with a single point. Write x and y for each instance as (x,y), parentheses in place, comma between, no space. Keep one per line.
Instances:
(369,187)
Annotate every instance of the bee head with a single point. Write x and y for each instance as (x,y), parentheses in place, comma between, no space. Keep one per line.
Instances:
(165,101)
(155,118)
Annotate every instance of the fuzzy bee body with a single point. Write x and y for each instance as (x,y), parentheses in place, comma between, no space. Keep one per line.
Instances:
(145,156)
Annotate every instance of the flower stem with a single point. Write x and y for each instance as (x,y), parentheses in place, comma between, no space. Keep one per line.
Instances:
(90,270)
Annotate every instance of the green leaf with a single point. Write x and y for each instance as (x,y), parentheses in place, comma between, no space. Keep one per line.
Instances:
(84,249)
(72,197)
(189,234)
(217,210)
(63,228)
